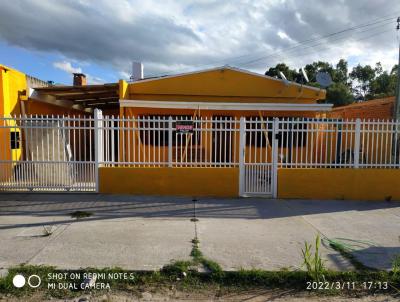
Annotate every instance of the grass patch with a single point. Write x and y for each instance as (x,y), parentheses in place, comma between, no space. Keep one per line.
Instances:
(396,265)
(176,270)
(196,253)
(181,275)
(185,275)
(80,214)
(213,268)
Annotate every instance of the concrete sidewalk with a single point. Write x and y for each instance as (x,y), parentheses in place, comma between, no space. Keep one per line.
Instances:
(144,233)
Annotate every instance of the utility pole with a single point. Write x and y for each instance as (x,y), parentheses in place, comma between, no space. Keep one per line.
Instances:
(396,144)
(397,102)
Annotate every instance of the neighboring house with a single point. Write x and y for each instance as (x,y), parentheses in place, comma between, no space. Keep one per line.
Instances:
(381,109)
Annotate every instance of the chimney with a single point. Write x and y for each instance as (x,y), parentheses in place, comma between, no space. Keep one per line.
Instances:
(137,71)
(79,79)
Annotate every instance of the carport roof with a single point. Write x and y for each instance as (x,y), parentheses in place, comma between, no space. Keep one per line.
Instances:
(88,96)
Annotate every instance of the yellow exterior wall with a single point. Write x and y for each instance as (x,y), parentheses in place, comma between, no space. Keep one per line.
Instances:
(356,184)
(35,107)
(218,182)
(13,85)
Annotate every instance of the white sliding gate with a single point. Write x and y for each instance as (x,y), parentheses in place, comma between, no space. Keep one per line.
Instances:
(47,153)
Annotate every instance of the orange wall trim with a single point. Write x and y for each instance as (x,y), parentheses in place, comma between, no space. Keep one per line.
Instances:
(218,182)
(356,184)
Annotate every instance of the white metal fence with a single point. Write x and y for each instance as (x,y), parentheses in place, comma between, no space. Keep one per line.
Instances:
(47,153)
(315,143)
(214,142)
(154,141)
(64,152)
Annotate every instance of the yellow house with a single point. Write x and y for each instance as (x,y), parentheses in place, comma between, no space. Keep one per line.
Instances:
(215,98)
(223,95)
(223,91)
(217,132)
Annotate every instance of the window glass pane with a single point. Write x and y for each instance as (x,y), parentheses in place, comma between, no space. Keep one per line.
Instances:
(15,140)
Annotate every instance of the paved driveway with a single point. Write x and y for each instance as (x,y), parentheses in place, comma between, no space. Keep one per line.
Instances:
(137,232)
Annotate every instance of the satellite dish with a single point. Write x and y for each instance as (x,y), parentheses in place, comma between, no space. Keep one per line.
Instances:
(304,75)
(324,79)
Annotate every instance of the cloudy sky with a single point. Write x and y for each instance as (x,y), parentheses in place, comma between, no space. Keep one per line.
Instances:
(51,39)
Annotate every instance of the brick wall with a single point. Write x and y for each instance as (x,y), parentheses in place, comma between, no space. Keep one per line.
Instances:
(373,109)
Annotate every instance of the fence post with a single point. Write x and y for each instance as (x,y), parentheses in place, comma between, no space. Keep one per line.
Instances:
(170,133)
(275,131)
(242,150)
(357,142)
(98,143)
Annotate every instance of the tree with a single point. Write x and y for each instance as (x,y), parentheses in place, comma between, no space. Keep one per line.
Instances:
(340,74)
(383,85)
(313,68)
(363,75)
(362,83)
(394,70)
(378,68)
(290,74)
(339,94)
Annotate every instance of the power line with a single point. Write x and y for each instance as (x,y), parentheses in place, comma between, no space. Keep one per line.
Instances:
(382,19)
(356,40)
(387,21)
(309,46)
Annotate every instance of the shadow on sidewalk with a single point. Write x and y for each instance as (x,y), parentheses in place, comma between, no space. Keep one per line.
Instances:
(125,206)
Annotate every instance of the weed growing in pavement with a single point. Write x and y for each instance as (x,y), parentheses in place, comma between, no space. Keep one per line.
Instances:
(196,254)
(313,261)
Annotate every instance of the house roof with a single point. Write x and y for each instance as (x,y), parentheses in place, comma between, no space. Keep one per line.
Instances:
(224,83)
(225,67)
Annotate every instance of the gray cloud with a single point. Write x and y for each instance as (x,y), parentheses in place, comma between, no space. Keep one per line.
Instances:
(173,35)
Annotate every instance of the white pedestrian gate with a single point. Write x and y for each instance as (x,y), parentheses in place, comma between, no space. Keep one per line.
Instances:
(258,157)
